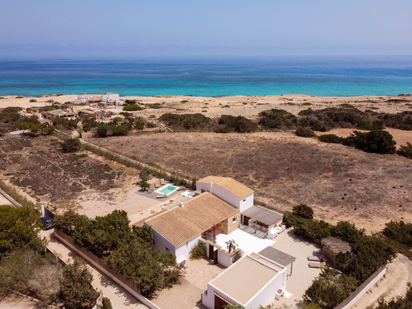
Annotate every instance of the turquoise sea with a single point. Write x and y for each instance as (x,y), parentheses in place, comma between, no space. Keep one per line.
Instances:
(316,76)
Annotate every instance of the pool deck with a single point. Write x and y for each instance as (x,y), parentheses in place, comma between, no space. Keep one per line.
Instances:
(176,188)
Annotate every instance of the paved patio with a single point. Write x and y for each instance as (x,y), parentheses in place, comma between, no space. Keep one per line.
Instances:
(302,276)
(188,294)
(245,241)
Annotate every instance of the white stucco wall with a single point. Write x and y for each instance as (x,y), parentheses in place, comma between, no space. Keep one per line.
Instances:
(227,196)
(183,252)
(161,243)
(224,259)
(247,203)
(268,293)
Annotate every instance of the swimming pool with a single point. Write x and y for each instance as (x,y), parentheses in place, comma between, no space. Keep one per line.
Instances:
(167,189)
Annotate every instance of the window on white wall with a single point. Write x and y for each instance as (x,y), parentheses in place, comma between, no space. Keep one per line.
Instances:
(234,219)
(244,200)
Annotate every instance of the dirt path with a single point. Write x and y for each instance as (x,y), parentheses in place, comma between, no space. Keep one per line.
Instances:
(118,296)
(392,285)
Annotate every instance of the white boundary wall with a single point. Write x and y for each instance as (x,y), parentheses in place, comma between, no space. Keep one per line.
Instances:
(362,289)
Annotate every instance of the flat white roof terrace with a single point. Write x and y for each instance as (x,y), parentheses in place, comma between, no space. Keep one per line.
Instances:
(243,280)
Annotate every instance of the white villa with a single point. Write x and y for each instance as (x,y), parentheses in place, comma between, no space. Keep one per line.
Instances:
(219,200)
(257,278)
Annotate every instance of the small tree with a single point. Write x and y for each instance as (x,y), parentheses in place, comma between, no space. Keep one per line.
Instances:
(102,130)
(193,184)
(303,210)
(231,245)
(144,185)
(71,145)
(76,289)
(106,303)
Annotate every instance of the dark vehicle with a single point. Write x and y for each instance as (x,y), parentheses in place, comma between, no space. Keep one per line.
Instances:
(47,223)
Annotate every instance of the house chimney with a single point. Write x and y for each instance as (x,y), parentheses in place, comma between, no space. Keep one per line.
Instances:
(181,205)
(211,187)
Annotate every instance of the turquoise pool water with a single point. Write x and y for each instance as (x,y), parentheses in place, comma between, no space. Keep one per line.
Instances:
(167,189)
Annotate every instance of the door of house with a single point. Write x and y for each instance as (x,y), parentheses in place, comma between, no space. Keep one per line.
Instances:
(215,255)
(220,303)
(211,248)
(245,220)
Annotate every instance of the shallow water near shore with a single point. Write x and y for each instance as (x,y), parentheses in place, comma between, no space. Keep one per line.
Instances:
(316,76)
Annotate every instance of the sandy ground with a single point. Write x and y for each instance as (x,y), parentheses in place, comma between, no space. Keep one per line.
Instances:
(4,201)
(392,285)
(17,302)
(339,182)
(119,298)
(248,106)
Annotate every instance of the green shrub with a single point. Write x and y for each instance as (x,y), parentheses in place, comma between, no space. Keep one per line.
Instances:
(399,231)
(102,130)
(132,108)
(139,124)
(83,155)
(33,100)
(331,138)
(367,124)
(19,97)
(106,303)
(240,124)
(186,121)
(277,119)
(303,210)
(131,102)
(120,130)
(198,251)
(405,151)
(117,119)
(304,132)
(375,141)
(71,145)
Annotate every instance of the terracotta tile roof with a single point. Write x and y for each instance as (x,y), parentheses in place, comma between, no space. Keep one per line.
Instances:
(229,184)
(199,214)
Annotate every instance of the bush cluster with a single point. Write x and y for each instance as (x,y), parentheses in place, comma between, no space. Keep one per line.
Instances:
(239,124)
(303,210)
(375,141)
(71,145)
(304,132)
(367,255)
(326,119)
(331,138)
(278,119)
(186,122)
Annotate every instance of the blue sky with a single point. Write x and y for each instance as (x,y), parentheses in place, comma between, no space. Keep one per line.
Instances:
(133,28)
